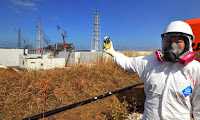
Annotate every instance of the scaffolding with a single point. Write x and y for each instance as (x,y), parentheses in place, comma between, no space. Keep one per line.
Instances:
(39,38)
(96,37)
(19,39)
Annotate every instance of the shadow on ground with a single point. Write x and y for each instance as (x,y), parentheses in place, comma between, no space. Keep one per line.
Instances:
(135,98)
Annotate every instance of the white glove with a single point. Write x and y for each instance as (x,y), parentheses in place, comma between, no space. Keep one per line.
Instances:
(110,50)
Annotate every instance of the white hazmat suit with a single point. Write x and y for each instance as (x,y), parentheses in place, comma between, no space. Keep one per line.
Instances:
(172,89)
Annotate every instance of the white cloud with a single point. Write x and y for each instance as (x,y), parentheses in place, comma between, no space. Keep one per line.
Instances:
(18,4)
(55,18)
(17,10)
(23,3)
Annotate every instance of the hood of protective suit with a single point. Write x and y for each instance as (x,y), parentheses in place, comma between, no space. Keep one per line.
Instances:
(188,42)
(180,27)
(190,45)
(172,52)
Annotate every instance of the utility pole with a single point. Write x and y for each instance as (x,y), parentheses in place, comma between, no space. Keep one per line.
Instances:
(96,37)
(20,38)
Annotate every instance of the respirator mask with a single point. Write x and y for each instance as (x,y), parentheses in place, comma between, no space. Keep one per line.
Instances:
(172,52)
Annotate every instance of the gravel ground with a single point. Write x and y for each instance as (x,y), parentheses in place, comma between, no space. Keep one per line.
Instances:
(134,116)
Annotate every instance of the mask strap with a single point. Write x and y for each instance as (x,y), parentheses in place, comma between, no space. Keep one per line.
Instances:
(159,55)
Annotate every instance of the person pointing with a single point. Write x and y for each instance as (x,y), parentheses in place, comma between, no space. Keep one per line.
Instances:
(171,77)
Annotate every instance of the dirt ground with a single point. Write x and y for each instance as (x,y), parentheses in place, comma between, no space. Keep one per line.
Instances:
(21,93)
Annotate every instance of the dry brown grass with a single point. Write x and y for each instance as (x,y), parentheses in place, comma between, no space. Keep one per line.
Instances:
(21,92)
(132,53)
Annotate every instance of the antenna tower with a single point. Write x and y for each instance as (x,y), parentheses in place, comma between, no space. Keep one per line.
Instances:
(19,39)
(96,37)
(39,38)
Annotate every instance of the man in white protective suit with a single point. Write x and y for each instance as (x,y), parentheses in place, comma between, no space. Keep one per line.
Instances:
(171,77)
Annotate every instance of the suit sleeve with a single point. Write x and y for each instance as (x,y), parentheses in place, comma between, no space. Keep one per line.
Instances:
(134,64)
(196,97)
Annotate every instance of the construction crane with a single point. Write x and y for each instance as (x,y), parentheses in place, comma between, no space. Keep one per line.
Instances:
(63,35)
(20,37)
(45,37)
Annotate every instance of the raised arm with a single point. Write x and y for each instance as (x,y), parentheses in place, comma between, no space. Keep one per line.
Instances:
(134,64)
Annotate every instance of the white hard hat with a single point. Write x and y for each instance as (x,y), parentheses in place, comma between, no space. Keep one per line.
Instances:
(179,27)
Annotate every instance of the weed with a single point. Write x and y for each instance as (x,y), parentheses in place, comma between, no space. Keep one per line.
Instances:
(21,93)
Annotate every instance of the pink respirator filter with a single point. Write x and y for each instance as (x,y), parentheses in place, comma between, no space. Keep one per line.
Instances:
(184,59)
(158,55)
(187,58)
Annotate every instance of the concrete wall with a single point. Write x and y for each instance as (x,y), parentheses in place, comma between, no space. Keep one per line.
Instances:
(10,57)
(89,58)
(82,58)
(15,57)
(69,57)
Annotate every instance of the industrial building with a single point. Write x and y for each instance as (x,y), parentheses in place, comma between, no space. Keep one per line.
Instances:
(41,63)
(53,56)
(10,57)
(21,58)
